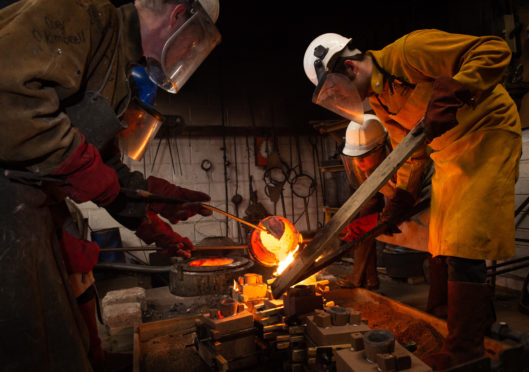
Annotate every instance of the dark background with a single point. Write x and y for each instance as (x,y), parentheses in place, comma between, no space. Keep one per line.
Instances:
(254,78)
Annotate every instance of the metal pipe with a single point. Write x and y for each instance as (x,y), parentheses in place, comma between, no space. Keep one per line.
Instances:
(521,259)
(132,267)
(509,269)
(127,249)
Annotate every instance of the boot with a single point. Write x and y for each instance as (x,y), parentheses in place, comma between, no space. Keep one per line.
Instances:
(437,294)
(101,360)
(470,315)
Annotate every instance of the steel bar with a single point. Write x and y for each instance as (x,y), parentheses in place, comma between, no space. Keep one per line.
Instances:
(505,263)
(509,269)
(129,249)
(132,267)
(344,248)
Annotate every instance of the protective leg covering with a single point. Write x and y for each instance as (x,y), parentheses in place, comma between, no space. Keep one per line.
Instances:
(87,306)
(364,273)
(40,323)
(437,294)
(470,315)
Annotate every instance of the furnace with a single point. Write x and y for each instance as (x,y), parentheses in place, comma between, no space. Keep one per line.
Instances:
(212,275)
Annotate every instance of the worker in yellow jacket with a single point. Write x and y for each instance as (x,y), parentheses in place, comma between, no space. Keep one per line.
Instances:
(452,82)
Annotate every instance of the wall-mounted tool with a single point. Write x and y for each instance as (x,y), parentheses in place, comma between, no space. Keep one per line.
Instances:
(206,165)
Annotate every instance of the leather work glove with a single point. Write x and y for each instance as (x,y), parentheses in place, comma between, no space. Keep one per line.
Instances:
(154,230)
(396,210)
(88,177)
(80,256)
(175,212)
(447,97)
(358,227)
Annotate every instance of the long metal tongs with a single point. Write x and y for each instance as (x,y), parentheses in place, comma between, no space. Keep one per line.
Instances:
(147,195)
(31,178)
(323,240)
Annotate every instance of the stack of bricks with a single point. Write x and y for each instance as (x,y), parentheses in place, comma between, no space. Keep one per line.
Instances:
(123,308)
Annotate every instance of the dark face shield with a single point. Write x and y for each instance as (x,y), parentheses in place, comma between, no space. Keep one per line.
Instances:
(143,122)
(358,168)
(337,93)
(184,51)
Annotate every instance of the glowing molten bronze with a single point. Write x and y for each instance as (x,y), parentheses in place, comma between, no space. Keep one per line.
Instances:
(211,262)
(269,251)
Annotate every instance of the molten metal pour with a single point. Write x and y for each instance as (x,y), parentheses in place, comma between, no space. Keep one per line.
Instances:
(270,251)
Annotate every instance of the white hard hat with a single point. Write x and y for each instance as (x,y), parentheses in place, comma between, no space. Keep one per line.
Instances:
(212,8)
(323,48)
(360,139)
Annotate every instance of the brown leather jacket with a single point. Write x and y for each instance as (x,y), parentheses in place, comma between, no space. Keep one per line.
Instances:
(52,52)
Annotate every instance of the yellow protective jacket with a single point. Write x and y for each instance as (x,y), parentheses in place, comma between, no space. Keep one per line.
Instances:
(53,51)
(475,163)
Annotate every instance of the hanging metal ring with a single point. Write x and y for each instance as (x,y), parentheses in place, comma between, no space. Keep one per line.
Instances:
(299,191)
(275,176)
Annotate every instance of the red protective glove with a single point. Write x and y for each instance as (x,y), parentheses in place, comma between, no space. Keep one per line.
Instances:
(177,211)
(88,177)
(154,230)
(397,208)
(359,227)
(79,255)
(447,97)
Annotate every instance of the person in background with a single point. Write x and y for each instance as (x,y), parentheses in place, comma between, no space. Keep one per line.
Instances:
(64,90)
(451,84)
(366,146)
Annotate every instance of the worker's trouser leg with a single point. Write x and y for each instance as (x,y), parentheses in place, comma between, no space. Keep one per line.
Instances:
(364,272)
(470,313)
(87,306)
(40,326)
(437,294)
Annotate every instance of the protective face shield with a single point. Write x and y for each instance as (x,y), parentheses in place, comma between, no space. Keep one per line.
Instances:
(184,50)
(143,122)
(366,146)
(334,91)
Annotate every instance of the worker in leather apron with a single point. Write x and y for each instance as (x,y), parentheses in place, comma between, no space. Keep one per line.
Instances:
(64,88)
(473,131)
(366,146)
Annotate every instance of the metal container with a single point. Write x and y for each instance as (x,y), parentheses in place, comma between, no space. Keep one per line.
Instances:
(186,280)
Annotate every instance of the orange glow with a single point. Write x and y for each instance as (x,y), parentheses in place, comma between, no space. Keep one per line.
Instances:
(287,261)
(211,262)
(346,110)
(174,86)
(270,251)
(141,147)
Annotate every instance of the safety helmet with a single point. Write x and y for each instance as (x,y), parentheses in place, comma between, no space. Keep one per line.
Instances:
(187,47)
(334,43)
(334,91)
(362,138)
(366,146)
(212,8)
